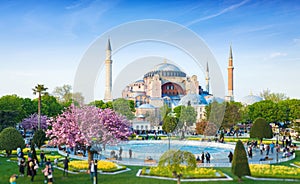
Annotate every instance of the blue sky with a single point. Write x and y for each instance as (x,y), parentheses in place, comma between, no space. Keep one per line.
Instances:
(43,41)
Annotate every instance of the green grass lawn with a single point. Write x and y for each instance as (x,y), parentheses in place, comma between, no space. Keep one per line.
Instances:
(9,168)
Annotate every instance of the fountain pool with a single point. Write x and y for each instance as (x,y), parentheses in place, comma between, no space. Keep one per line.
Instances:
(155,148)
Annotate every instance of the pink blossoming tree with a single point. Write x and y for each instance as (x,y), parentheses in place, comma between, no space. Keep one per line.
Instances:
(88,126)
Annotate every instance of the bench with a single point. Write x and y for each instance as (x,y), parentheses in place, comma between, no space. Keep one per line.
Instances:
(150,161)
(113,158)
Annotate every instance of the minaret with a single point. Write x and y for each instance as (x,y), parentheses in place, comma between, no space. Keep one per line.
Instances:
(207,78)
(108,74)
(230,75)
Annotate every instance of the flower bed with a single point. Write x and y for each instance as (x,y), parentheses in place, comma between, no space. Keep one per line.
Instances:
(297,163)
(274,171)
(187,174)
(105,166)
(51,157)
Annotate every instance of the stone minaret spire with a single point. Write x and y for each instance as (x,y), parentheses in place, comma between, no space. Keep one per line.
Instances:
(230,75)
(108,74)
(207,78)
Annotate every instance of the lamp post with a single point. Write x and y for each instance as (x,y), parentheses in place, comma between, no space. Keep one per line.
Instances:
(169,137)
(277,150)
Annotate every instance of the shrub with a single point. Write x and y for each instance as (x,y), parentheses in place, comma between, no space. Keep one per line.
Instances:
(261,129)
(10,139)
(240,165)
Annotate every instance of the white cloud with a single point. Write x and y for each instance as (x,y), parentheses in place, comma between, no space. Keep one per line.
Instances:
(277,54)
(228,9)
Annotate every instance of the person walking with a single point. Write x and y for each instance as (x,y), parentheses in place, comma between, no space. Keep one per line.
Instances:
(42,158)
(50,174)
(202,157)
(45,171)
(31,170)
(92,170)
(96,172)
(207,156)
(267,149)
(66,166)
(230,156)
(22,167)
(130,153)
(120,153)
(272,146)
(250,151)
(261,148)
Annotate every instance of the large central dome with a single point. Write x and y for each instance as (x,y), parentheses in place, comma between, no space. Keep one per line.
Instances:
(166,70)
(166,67)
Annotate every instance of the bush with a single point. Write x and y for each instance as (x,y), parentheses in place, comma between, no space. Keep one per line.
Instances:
(10,139)
(240,165)
(261,129)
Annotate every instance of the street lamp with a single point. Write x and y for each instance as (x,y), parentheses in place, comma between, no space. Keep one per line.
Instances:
(277,150)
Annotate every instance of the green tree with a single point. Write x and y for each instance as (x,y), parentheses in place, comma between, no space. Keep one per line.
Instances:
(214,114)
(188,116)
(10,139)
(240,165)
(175,160)
(40,90)
(177,111)
(233,114)
(29,107)
(288,110)
(122,106)
(169,121)
(13,104)
(7,119)
(66,97)
(274,97)
(101,104)
(261,129)
(296,126)
(201,126)
(265,109)
(50,106)
(39,138)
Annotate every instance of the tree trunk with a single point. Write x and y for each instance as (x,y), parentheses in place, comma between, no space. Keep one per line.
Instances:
(39,111)
(90,154)
(178,179)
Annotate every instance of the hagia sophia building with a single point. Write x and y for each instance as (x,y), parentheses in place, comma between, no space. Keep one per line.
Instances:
(165,84)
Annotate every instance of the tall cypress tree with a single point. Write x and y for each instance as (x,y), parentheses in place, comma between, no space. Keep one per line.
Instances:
(240,165)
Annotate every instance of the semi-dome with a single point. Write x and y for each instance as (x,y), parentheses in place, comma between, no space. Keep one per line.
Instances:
(250,99)
(192,99)
(166,70)
(210,99)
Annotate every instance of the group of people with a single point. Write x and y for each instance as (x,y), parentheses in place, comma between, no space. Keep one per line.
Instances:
(32,164)
(118,156)
(204,156)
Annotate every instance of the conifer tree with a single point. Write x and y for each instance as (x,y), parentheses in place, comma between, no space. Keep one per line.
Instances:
(240,165)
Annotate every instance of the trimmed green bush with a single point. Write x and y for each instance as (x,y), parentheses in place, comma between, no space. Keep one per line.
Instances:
(240,165)
(10,139)
(261,129)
